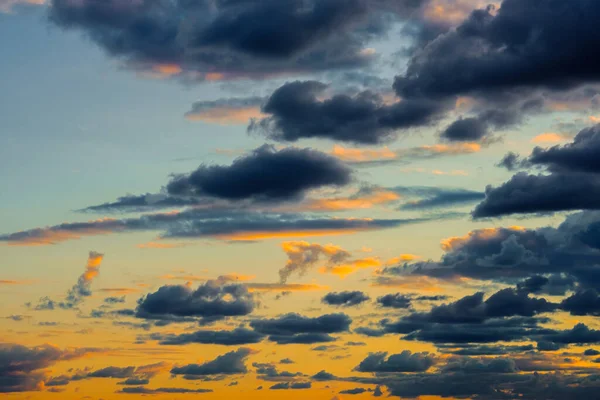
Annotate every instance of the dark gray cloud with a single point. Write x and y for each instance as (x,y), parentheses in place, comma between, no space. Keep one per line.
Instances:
(573,182)
(353,391)
(269,372)
(211,300)
(198,223)
(295,328)
(465,130)
(231,363)
(297,113)
(235,337)
(165,390)
(232,38)
(560,259)
(396,300)
(437,197)
(402,362)
(345,299)
(265,174)
(291,385)
(584,302)
(22,369)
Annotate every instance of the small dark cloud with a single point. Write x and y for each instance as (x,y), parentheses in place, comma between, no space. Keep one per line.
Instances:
(166,390)
(402,362)
(231,363)
(291,385)
(345,299)
(433,197)
(396,300)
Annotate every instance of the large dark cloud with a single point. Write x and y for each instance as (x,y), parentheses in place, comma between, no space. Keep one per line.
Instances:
(233,38)
(265,174)
(22,368)
(231,363)
(345,299)
(512,48)
(573,182)
(210,301)
(295,328)
(297,113)
(556,259)
(402,362)
(500,58)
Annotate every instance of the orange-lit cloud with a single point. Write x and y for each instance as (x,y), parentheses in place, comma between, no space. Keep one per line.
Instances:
(453,12)
(226,115)
(254,236)
(345,269)
(369,200)
(550,137)
(402,258)
(456,242)
(362,155)
(456,172)
(54,235)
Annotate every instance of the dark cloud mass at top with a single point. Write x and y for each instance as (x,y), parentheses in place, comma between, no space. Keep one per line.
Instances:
(232,38)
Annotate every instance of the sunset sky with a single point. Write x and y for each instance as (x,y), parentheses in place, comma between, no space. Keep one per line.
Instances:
(324,199)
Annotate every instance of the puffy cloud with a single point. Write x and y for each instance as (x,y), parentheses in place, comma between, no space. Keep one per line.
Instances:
(265,174)
(295,112)
(210,301)
(22,368)
(295,328)
(345,299)
(303,255)
(402,362)
(396,300)
(231,363)
(215,40)
(291,385)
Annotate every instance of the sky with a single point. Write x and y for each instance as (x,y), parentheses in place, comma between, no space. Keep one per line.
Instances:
(265,199)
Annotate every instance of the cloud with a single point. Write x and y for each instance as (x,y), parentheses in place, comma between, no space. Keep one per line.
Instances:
(396,300)
(295,112)
(345,299)
(295,328)
(81,290)
(231,363)
(269,372)
(229,111)
(209,223)
(303,255)
(265,174)
(572,184)
(207,41)
(22,368)
(209,301)
(434,197)
(402,362)
(291,385)
(235,337)
(165,390)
